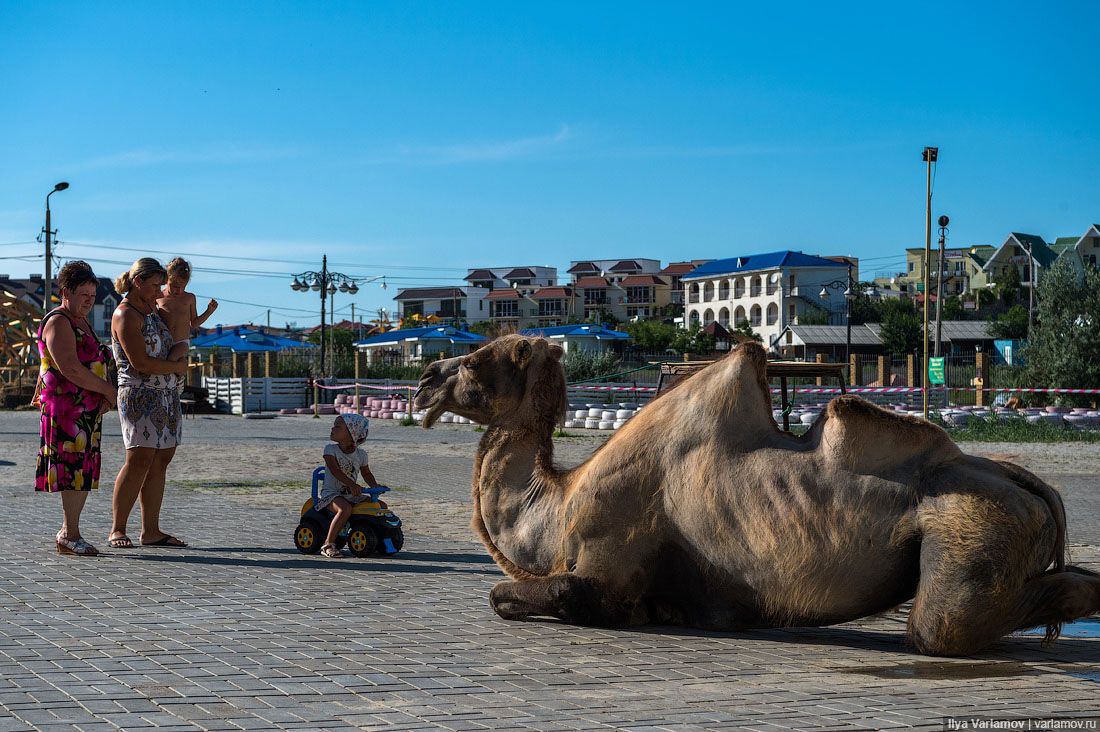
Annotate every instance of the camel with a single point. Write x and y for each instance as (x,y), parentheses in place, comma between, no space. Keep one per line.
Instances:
(700,512)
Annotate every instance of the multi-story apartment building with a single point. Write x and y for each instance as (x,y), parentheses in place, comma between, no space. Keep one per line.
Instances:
(463,304)
(768,291)
(963,272)
(32,291)
(1031,256)
(524,279)
(614,270)
(672,274)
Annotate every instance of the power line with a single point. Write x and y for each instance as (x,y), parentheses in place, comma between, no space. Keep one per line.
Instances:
(267,259)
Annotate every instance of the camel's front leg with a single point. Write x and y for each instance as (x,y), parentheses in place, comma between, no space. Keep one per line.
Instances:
(571,598)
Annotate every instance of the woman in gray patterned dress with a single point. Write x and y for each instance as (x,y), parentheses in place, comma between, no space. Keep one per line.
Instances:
(150,366)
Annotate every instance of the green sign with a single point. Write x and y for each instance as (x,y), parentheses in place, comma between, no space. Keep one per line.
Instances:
(935,371)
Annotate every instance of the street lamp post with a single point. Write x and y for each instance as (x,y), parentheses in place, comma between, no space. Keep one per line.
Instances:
(930,155)
(325,284)
(849,295)
(48,280)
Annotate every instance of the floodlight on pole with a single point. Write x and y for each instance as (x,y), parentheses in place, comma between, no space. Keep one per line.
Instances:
(47,282)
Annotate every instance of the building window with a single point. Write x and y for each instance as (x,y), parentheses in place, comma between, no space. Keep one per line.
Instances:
(708,317)
(911,266)
(708,291)
(639,294)
(506,309)
(739,288)
(792,312)
(755,288)
(773,314)
(637,312)
(549,308)
(755,316)
(724,290)
(724,318)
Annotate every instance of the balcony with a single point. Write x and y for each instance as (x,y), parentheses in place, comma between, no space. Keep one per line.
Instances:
(693,297)
(639,299)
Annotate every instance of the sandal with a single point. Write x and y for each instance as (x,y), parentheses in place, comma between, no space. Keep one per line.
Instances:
(76,547)
(167,540)
(330,551)
(120,541)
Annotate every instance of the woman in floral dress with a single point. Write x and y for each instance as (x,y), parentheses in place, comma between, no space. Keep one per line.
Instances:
(74,393)
(150,367)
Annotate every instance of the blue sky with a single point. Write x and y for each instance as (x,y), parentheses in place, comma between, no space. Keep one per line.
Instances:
(413,140)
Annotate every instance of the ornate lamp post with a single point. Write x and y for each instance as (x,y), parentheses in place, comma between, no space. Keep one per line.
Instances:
(849,295)
(325,283)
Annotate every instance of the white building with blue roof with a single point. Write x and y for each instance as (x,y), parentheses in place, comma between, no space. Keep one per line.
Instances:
(768,291)
(412,345)
(592,337)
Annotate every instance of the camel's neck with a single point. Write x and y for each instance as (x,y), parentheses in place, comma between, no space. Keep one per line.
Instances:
(518,499)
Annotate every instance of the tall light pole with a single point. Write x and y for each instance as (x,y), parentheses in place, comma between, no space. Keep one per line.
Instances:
(324,283)
(48,280)
(849,295)
(943,222)
(930,155)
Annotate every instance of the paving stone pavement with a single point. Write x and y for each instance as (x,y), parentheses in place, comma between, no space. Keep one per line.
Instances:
(239,631)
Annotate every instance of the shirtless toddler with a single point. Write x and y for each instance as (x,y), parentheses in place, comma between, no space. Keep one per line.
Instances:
(177,306)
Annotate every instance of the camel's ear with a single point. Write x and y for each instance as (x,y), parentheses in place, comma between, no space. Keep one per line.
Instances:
(521,353)
(556,351)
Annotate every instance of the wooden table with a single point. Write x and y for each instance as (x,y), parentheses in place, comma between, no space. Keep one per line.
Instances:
(673,372)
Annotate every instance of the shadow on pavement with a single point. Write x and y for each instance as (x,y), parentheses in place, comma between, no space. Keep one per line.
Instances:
(411,563)
(404,555)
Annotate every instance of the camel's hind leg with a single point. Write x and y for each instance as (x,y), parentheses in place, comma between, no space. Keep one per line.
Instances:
(982,576)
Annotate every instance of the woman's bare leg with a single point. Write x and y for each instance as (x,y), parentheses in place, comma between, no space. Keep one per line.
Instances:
(152,496)
(128,485)
(72,503)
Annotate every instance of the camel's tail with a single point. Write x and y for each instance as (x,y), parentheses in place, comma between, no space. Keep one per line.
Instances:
(1057,509)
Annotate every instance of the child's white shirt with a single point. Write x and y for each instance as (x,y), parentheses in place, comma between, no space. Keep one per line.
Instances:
(349,464)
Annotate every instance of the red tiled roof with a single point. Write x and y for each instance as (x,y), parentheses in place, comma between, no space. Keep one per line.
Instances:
(518,272)
(479,274)
(508,294)
(642,280)
(678,268)
(545,292)
(592,283)
(627,265)
(583,267)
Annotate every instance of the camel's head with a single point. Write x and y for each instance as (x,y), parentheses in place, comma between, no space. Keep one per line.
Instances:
(513,378)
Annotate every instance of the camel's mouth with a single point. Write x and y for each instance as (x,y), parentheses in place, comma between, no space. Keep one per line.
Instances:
(433,392)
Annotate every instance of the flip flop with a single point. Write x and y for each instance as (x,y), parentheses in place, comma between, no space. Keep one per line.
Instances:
(120,542)
(166,540)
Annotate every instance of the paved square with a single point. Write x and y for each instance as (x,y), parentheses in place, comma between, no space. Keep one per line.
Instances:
(240,631)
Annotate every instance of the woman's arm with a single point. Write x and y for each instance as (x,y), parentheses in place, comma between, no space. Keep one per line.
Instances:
(126,325)
(61,344)
(333,469)
(368,476)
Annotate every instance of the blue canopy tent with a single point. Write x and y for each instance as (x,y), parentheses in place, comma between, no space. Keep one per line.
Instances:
(246,340)
(411,344)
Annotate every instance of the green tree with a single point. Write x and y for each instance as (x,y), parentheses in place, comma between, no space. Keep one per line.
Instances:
(864,309)
(693,340)
(901,326)
(651,336)
(744,330)
(1011,324)
(816,317)
(1008,285)
(486,328)
(986,299)
(953,308)
(342,339)
(1064,347)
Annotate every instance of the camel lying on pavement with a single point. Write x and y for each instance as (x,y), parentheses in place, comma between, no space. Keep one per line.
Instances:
(699,511)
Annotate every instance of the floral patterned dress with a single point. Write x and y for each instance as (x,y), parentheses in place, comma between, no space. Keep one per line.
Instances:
(148,404)
(69,457)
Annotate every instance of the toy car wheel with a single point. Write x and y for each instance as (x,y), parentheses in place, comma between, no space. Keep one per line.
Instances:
(361,541)
(390,541)
(308,537)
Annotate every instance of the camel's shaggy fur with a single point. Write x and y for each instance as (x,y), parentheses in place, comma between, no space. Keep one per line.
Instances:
(701,512)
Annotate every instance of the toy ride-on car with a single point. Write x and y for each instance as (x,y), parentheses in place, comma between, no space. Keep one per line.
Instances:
(372,528)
